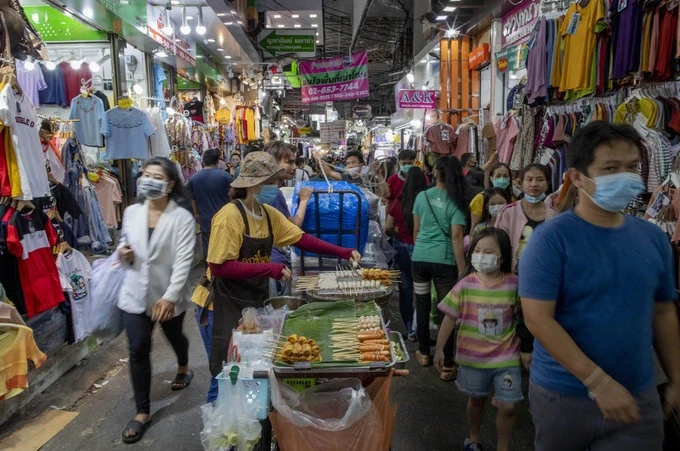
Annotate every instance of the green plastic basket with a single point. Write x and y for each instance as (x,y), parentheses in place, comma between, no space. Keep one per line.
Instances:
(300,384)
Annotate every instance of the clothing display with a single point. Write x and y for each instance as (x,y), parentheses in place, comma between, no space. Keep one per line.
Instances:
(128,133)
(441,137)
(17,346)
(110,197)
(31,81)
(195,109)
(73,79)
(160,147)
(74,273)
(55,88)
(92,125)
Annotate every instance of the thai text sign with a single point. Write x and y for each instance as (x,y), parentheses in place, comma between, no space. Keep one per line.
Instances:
(518,23)
(417,98)
(341,78)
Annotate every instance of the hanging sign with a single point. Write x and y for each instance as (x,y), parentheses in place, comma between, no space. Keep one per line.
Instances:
(513,58)
(362,111)
(417,98)
(332,132)
(300,42)
(341,78)
(479,56)
(518,22)
(293,101)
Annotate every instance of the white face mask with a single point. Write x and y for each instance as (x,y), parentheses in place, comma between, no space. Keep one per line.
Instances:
(485,263)
(352,171)
(494,210)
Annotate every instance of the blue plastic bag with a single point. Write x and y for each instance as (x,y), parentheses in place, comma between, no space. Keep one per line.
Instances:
(329,214)
(106,281)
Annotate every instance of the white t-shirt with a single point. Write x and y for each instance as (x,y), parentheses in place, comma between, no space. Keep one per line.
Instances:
(74,273)
(300,176)
(19,114)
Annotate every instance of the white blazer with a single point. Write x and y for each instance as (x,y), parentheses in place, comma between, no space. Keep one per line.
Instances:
(162,265)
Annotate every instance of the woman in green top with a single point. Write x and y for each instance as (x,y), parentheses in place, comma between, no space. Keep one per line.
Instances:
(438,255)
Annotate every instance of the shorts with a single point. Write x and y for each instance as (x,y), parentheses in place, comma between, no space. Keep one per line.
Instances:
(477,383)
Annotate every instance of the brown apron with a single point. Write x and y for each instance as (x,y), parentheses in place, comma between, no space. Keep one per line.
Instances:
(231,296)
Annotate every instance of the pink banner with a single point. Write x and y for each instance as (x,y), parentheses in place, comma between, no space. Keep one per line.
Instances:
(417,98)
(341,78)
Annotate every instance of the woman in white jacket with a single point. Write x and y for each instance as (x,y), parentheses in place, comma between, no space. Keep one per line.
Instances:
(158,239)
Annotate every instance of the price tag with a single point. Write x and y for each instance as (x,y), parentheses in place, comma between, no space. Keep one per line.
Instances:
(573,23)
(125,102)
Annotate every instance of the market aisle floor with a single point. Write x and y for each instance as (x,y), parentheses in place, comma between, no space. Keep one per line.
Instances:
(431,414)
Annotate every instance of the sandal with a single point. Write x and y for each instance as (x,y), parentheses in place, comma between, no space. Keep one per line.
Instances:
(182,380)
(412,337)
(424,360)
(448,373)
(139,428)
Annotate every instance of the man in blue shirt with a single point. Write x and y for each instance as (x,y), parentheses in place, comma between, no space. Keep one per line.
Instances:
(597,288)
(209,190)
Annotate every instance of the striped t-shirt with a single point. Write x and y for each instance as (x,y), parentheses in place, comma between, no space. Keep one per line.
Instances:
(486,338)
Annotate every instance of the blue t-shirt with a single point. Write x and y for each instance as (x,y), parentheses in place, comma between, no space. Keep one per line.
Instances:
(92,123)
(55,93)
(128,133)
(209,187)
(280,255)
(605,283)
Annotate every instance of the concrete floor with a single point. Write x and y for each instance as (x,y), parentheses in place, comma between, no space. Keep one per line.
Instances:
(431,415)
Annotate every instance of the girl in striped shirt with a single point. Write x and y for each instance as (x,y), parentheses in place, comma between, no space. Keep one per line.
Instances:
(485,303)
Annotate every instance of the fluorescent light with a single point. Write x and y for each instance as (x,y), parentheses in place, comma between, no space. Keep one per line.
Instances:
(277,16)
(297,25)
(190,17)
(175,2)
(295,16)
(313,16)
(239,22)
(232,11)
(315,25)
(282,26)
(229,23)
(50,65)
(221,14)
(449,9)
(211,40)
(452,33)
(439,18)
(220,49)
(94,67)
(87,12)
(227,57)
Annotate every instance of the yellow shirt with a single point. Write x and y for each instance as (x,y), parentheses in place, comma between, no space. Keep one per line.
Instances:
(227,230)
(17,346)
(12,162)
(644,105)
(477,205)
(579,47)
(250,123)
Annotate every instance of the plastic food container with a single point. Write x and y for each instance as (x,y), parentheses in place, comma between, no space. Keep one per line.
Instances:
(398,339)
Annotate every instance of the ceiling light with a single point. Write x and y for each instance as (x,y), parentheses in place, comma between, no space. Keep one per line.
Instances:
(442,17)
(229,23)
(67,13)
(161,53)
(29,65)
(190,17)
(87,12)
(313,16)
(315,25)
(295,16)
(239,22)
(452,33)
(227,57)
(282,26)
(137,89)
(200,28)
(178,40)
(449,9)
(297,25)
(94,66)
(221,14)
(232,11)
(317,33)
(211,40)
(277,16)
(75,64)
(220,49)
(410,77)
(175,2)
(50,65)
(184,29)
(317,41)
(167,25)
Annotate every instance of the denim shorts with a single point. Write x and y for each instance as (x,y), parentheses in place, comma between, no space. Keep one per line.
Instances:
(477,383)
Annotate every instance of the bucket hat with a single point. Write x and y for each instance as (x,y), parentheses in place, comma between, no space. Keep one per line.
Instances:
(257,168)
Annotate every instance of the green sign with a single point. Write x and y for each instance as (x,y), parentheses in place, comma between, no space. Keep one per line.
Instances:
(512,58)
(301,42)
(54,26)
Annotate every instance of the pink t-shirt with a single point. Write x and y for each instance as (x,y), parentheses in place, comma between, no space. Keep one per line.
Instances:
(507,132)
(441,138)
(109,196)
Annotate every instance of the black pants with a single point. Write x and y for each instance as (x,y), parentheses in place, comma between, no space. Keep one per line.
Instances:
(205,240)
(444,278)
(139,328)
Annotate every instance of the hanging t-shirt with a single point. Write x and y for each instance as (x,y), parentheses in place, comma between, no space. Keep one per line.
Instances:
(441,138)
(5,184)
(19,114)
(31,81)
(55,90)
(195,109)
(626,35)
(30,237)
(93,124)
(128,133)
(74,78)
(17,347)
(75,272)
(110,197)
(507,131)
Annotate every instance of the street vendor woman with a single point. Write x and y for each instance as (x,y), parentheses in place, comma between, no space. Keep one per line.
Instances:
(243,234)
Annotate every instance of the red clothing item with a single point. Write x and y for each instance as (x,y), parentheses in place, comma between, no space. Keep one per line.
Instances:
(397,212)
(30,237)
(667,31)
(396,184)
(73,79)
(5,186)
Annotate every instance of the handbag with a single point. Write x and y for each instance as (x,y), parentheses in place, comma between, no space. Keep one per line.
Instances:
(446,233)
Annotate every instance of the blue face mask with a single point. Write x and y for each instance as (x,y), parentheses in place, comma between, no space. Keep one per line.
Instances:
(501,183)
(405,168)
(614,192)
(534,200)
(267,195)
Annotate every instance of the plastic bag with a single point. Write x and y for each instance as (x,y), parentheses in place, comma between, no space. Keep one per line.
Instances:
(331,406)
(372,432)
(106,319)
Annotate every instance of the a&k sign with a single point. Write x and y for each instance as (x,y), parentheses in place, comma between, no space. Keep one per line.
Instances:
(417,98)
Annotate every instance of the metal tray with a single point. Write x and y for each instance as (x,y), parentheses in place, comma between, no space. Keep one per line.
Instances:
(398,338)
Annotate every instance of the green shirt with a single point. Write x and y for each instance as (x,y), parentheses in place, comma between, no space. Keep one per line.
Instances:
(432,245)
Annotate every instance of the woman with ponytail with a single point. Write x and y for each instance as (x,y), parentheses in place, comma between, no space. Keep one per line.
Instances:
(438,258)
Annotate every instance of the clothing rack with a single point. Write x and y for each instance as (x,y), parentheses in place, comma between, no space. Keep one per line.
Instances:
(57,120)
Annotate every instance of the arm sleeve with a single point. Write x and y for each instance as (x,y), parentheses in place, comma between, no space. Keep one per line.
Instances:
(665,291)
(313,244)
(418,204)
(106,119)
(40,82)
(236,270)
(477,205)
(148,126)
(450,305)
(541,266)
(285,232)
(503,221)
(184,256)
(226,235)
(74,107)
(458,217)
(101,114)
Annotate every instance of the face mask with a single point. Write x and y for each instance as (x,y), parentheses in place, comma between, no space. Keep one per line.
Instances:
(494,210)
(534,200)
(405,168)
(352,171)
(501,183)
(485,263)
(615,191)
(267,195)
(151,188)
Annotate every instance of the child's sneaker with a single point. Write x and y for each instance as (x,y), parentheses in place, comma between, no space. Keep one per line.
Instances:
(472,446)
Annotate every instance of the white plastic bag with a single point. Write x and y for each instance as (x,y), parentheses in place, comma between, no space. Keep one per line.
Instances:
(106,318)
(331,406)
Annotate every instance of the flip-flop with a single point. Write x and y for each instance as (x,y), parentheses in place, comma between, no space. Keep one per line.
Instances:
(139,428)
(448,373)
(182,380)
